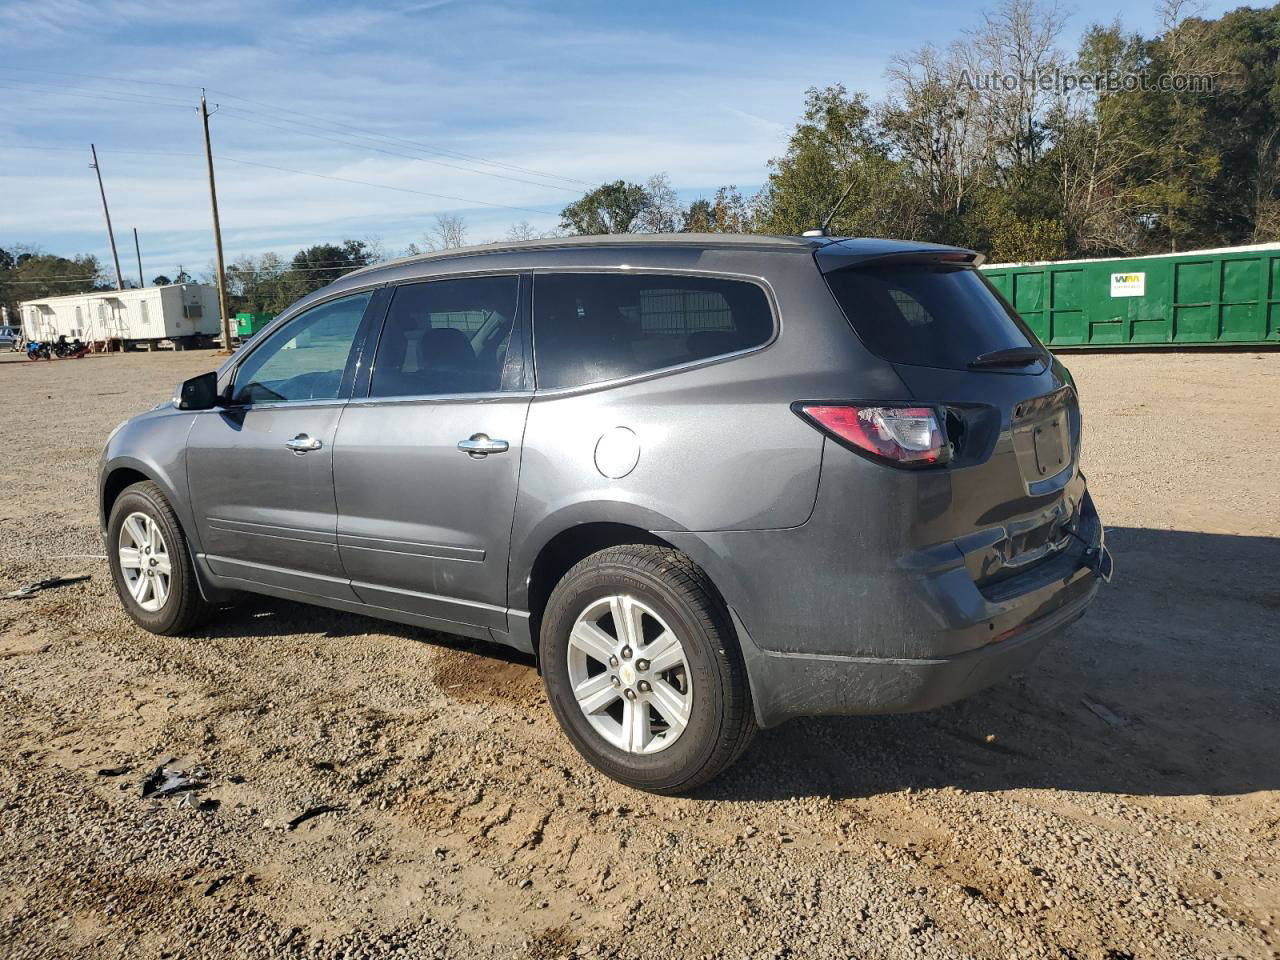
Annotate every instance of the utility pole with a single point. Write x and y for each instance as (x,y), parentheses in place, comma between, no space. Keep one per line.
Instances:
(138,250)
(217,229)
(107,213)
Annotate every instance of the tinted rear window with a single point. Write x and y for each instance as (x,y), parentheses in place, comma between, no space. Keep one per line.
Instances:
(926,315)
(589,327)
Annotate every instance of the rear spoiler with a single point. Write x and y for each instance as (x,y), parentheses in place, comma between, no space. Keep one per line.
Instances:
(843,255)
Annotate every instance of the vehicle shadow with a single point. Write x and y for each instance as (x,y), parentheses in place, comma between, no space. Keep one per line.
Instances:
(1168,686)
(261,617)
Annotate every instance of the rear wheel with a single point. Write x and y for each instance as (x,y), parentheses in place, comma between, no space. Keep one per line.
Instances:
(643,671)
(151,562)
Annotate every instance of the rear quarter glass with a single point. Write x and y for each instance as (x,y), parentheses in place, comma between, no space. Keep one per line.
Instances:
(927,315)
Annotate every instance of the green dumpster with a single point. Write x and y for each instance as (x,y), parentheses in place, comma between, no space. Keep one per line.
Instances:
(1214,297)
(247,324)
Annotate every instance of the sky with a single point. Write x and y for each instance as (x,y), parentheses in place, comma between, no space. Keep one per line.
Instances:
(339,120)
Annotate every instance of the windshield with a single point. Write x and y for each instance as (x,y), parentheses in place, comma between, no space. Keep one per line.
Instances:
(927,315)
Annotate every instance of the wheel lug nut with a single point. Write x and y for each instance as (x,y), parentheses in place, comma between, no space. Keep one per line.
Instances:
(631,694)
(642,664)
(615,681)
(626,653)
(613,661)
(644,686)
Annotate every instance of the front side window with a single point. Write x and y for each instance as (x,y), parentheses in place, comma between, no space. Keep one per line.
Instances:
(304,359)
(446,337)
(592,327)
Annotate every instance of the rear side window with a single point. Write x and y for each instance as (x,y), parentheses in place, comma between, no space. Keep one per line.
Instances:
(927,315)
(590,327)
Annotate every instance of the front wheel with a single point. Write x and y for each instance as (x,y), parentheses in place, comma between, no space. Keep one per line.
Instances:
(151,562)
(643,671)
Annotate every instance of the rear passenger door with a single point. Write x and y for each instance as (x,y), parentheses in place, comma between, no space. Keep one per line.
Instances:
(427,455)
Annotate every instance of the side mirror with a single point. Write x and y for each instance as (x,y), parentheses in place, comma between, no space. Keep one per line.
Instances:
(199,393)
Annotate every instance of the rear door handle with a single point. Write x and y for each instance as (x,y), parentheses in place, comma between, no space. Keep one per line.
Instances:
(302,443)
(479,446)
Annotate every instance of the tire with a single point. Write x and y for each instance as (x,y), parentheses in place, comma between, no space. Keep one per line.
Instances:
(182,608)
(666,593)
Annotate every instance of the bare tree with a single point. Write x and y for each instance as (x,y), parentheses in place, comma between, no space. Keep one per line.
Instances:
(1185,36)
(1013,48)
(1266,200)
(523,230)
(1093,151)
(375,249)
(662,211)
(929,119)
(449,233)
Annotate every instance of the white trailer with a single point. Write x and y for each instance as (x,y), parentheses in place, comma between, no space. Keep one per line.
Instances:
(180,312)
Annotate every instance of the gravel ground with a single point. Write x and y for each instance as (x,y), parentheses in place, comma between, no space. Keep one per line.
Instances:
(1120,799)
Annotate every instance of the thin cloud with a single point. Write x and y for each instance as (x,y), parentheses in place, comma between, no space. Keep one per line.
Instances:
(589,92)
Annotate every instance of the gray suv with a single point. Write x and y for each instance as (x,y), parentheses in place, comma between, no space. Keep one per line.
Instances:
(711,482)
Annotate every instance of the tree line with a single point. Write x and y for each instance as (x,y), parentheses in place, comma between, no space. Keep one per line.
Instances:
(994,142)
(258,284)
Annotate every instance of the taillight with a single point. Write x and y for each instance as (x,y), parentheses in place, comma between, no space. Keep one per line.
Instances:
(904,436)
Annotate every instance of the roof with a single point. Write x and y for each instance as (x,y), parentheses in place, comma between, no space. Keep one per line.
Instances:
(853,248)
(753,241)
(523,255)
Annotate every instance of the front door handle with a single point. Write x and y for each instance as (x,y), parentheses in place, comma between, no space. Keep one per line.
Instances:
(480,446)
(302,443)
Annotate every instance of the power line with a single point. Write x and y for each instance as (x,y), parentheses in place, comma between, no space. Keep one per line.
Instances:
(95,76)
(456,154)
(322,176)
(289,114)
(315,264)
(132,153)
(232,269)
(138,99)
(237,113)
(25,83)
(385,186)
(285,268)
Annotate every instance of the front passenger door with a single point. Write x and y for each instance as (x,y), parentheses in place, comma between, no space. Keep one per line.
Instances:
(260,469)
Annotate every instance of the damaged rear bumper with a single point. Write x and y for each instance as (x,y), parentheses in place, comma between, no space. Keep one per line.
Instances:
(787,685)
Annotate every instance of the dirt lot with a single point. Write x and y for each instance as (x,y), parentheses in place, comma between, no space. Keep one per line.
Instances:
(1120,799)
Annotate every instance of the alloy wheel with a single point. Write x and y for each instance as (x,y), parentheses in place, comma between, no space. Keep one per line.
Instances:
(630,675)
(144,561)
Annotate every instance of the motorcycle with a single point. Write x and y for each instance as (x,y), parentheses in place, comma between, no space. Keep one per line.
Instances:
(60,349)
(65,349)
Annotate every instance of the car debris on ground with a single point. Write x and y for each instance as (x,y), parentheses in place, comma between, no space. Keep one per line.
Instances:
(165,781)
(36,586)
